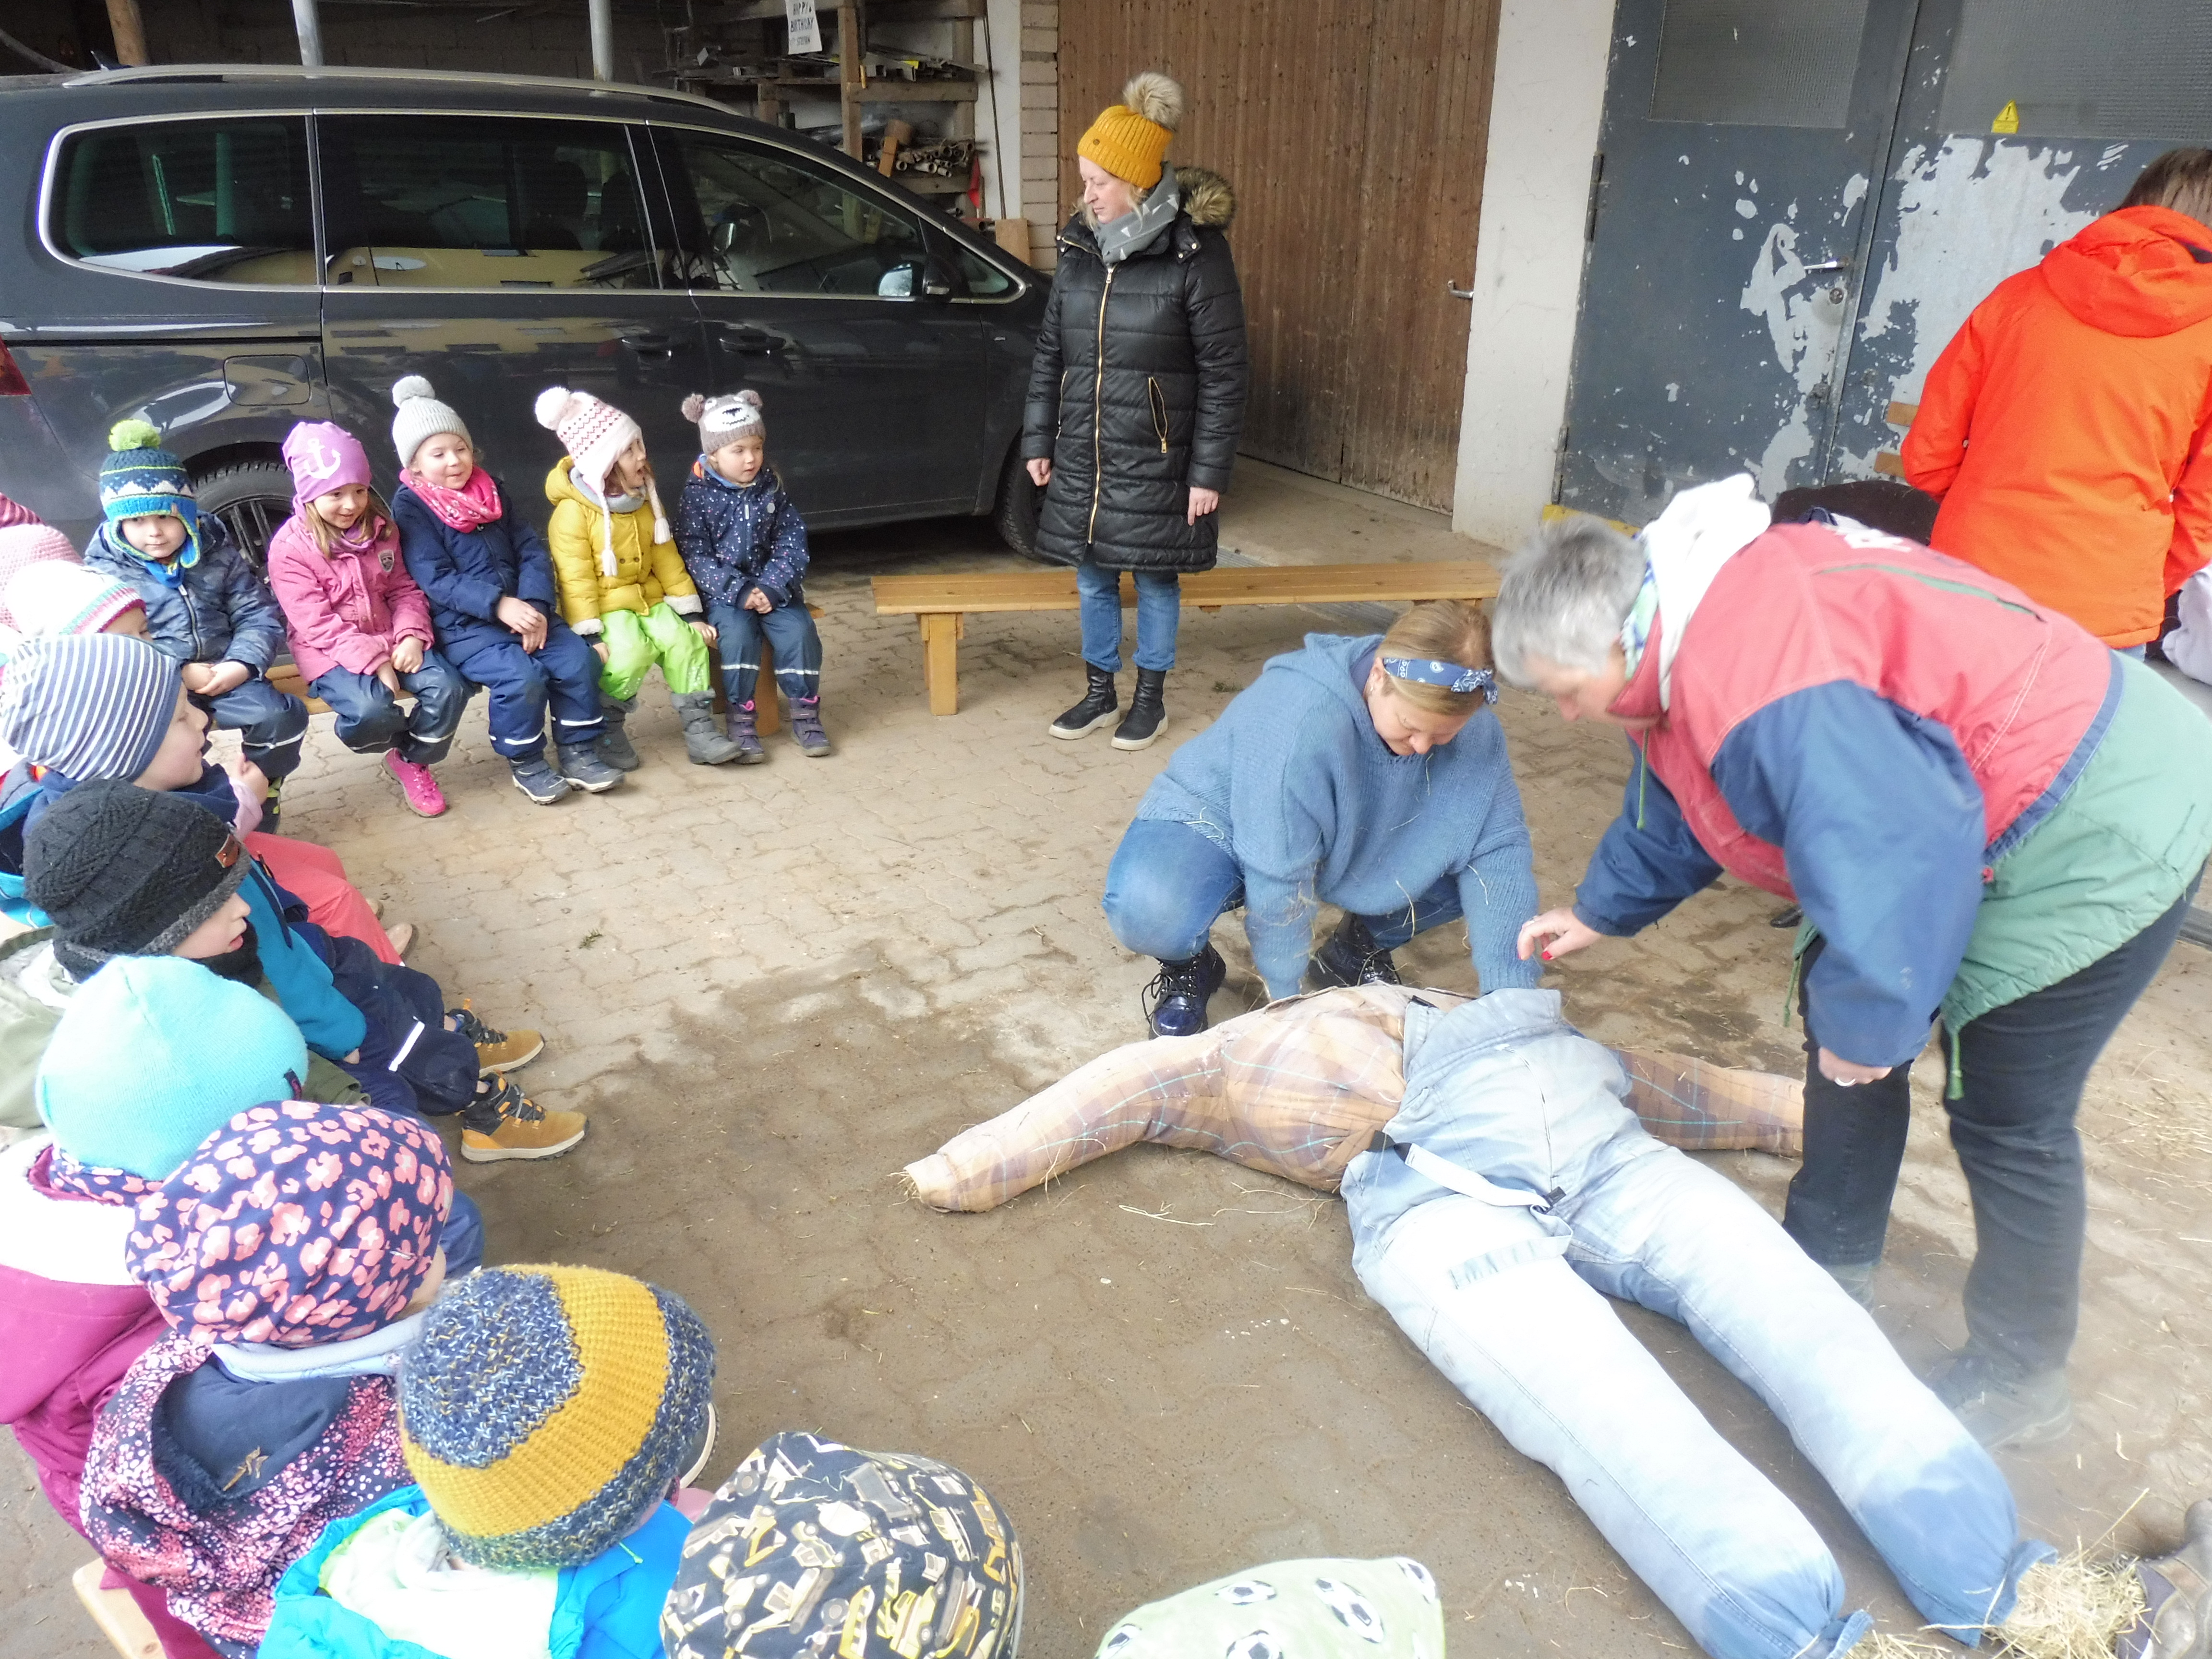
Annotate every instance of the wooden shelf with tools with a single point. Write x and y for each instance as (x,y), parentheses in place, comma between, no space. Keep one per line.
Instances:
(748,40)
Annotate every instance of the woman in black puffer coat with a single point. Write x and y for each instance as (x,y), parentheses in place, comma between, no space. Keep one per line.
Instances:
(1136,395)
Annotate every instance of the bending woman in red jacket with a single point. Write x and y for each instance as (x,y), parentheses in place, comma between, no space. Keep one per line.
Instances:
(2068,426)
(1987,815)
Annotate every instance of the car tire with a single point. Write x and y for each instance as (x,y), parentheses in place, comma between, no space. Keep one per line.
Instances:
(1020,501)
(251,498)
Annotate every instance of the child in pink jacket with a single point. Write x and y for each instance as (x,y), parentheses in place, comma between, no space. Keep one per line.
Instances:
(360,627)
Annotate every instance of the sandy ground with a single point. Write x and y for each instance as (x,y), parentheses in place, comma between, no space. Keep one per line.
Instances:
(772,988)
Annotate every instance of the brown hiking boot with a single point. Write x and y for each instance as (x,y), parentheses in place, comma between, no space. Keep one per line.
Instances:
(496,1051)
(501,1123)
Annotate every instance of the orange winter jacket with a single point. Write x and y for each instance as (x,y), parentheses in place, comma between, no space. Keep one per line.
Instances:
(2068,426)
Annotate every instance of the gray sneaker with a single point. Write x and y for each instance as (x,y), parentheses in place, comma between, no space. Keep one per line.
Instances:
(537,781)
(2003,1408)
(582,765)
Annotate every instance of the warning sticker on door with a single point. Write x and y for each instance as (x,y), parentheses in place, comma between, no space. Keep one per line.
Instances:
(2008,117)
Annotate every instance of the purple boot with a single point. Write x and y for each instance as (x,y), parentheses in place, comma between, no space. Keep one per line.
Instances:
(745,731)
(806,727)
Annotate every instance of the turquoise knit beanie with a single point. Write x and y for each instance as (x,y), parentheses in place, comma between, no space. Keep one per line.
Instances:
(141,479)
(153,1055)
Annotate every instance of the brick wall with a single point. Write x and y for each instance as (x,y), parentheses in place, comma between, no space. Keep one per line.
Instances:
(1040,100)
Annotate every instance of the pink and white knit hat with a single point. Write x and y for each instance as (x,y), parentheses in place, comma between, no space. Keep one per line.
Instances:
(596,433)
(323,458)
(53,597)
(22,546)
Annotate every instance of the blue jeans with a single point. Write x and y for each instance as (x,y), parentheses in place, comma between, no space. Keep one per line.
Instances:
(371,720)
(1509,1304)
(565,673)
(270,724)
(1169,881)
(462,1240)
(790,631)
(1159,613)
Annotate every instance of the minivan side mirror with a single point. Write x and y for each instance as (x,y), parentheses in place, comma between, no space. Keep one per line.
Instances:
(937,280)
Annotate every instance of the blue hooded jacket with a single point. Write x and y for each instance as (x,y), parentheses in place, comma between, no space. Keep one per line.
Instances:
(217,610)
(737,537)
(607,1609)
(467,573)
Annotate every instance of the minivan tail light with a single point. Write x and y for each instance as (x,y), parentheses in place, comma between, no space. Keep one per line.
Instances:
(12,383)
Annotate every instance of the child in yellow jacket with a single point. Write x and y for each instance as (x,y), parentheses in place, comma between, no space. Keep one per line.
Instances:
(623,584)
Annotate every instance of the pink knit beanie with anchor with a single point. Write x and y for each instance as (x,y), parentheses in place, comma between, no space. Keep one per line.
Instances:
(595,434)
(323,458)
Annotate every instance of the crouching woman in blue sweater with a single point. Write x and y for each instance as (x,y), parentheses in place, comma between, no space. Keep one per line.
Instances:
(1365,773)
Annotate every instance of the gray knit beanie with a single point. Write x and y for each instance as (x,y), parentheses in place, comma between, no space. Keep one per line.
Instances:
(725,420)
(421,418)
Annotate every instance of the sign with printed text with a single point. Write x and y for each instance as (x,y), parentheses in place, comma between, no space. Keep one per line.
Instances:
(804,27)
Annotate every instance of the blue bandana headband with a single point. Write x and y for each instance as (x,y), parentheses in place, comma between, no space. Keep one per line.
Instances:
(1453,677)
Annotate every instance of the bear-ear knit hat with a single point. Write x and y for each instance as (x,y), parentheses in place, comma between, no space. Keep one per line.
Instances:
(833,1536)
(53,598)
(125,872)
(140,479)
(1130,139)
(421,418)
(296,1224)
(22,546)
(323,458)
(89,705)
(154,1054)
(725,420)
(595,433)
(545,1411)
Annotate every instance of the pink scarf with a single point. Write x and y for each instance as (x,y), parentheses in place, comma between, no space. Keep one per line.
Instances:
(472,507)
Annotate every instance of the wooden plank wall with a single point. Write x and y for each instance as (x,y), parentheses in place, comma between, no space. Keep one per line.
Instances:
(1353,133)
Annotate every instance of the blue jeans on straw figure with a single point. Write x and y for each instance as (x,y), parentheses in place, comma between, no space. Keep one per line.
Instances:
(1504,1289)
(1159,613)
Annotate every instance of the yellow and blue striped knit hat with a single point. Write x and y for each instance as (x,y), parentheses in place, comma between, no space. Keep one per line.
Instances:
(545,1410)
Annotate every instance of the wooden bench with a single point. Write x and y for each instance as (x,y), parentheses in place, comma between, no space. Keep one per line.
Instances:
(286,677)
(115,1614)
(942,603)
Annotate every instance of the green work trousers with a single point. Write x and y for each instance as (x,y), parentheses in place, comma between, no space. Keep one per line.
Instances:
(635,643)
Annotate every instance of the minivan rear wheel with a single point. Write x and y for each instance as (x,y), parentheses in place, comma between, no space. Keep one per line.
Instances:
(253,499)
(1020,502)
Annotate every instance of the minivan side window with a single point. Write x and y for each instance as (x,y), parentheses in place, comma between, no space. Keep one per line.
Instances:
(491,202)
(768,222)
(215,201)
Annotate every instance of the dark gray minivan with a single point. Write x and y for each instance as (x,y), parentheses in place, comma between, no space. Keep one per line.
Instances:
(225,250)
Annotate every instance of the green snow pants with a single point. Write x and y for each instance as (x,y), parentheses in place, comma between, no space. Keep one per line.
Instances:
(635,642)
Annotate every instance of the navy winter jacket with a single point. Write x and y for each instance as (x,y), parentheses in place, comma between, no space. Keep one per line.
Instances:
(220,610)
(467,573)
(739,536)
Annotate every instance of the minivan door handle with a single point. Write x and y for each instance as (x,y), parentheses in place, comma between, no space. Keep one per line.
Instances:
(748,341)
(648,345)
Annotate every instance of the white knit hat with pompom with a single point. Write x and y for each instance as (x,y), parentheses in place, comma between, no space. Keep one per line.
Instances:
(421,418)
(595,434)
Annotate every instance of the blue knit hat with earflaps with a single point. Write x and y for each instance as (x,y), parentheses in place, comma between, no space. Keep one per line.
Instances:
(140,479)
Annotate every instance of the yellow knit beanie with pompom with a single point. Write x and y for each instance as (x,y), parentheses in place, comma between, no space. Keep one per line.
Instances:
(1130,138)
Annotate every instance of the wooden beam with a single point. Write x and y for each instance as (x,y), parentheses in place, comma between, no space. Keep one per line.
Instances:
(852,73)
(1902,414)
(130,32)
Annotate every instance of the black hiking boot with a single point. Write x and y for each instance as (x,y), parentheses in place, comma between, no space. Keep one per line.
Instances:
(1350,956)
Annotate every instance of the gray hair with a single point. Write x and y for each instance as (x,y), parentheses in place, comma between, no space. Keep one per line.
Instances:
(1564,596)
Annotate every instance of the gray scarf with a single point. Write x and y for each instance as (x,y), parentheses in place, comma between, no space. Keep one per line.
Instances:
(1118,239)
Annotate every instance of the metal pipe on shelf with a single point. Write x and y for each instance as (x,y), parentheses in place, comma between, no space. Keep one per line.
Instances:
(309,23)
(603,39)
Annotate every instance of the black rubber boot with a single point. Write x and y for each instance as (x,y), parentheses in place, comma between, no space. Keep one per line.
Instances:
(1148,711)
(1096,708)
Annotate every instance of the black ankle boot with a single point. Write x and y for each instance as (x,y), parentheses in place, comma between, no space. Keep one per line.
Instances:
(1148,711)
(1096,708)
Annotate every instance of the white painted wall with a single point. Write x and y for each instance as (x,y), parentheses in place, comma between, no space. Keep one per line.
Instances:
(998,113)
(1544,117)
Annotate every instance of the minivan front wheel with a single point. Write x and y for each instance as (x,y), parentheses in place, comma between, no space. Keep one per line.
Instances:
(253,499)
(1020,502)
